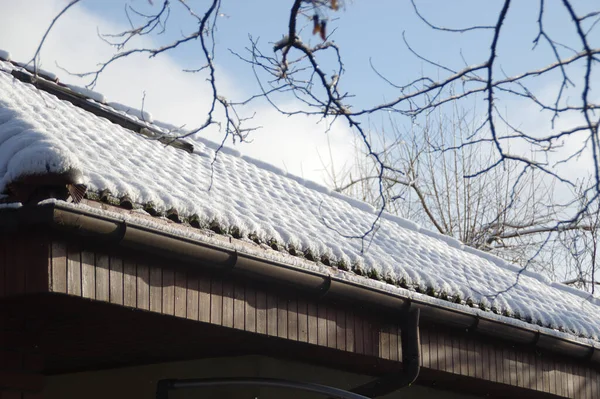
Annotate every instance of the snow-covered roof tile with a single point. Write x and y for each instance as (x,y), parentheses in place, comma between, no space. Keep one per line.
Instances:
(40,133)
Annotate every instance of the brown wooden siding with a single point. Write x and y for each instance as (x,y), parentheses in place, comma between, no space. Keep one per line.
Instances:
(162,288)
(245,306)
(20,376)
(24,264)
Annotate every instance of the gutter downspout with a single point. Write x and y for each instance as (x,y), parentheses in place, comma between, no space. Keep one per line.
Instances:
(411,361)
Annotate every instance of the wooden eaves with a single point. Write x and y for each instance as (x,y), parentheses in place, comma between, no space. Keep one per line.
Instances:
(116,232)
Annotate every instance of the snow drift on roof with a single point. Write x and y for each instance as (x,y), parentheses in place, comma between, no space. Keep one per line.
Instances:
(39,133)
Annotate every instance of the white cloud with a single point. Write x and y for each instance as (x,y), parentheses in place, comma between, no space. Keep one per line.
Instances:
(172,96)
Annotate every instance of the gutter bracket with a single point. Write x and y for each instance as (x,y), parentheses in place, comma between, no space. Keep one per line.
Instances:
(411,361)
(323,289)
(122,231)
(232,261)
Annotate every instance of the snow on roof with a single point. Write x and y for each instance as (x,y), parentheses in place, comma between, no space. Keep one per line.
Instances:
(249,199)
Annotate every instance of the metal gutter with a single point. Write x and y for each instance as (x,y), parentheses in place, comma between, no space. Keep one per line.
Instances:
(164,386)
(116,232)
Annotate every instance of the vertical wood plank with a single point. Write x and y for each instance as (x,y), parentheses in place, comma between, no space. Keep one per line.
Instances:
(102,270)
(539,375)
(559,378)
(570,385)
(143,286)
(227,303)
(368,338)
(331,327)
(444,360)
(469,345)
(502,357)
(526,366)
(359,344)
(456,358)
(156,289)
(250,313)
(292,319)
(168,292)
(485,362)
(578,390)
(282,318)
(399,342)
(552,375)
(512,362)
(519,368)
(204,298)
(88,275)
(271,315)
(239,302)
(479,362)
(350,331)
(567,386)
(322,324)
(586,375)
(528,373)
(575,378)
(581,378)
(340,338)
(73,271)
(449,342)
(545,375)
(394,338)
(261,312)
(594,383)
(459,355)
(312,313)
(375,333)
(494,372)
(434,352)
(180,294)
(59,267)
(425,348)
(384,342)
(302,320)
(216,301)
(116,280)
(588,383)
(129,283)
(192,297)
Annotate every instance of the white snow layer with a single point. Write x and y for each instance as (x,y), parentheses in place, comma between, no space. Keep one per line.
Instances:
(39,133)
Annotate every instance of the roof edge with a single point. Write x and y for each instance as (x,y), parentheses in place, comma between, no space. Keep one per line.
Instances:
(89,101)
(224,257)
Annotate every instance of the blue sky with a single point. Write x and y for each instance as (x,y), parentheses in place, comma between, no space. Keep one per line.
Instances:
(364,32)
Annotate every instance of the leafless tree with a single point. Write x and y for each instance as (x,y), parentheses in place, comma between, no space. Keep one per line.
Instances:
(505,211)
(294,67)
(575,261)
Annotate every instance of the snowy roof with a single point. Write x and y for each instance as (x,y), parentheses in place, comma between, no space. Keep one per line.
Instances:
(254,201)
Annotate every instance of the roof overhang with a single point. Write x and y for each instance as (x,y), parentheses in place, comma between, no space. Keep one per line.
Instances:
(112,230)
